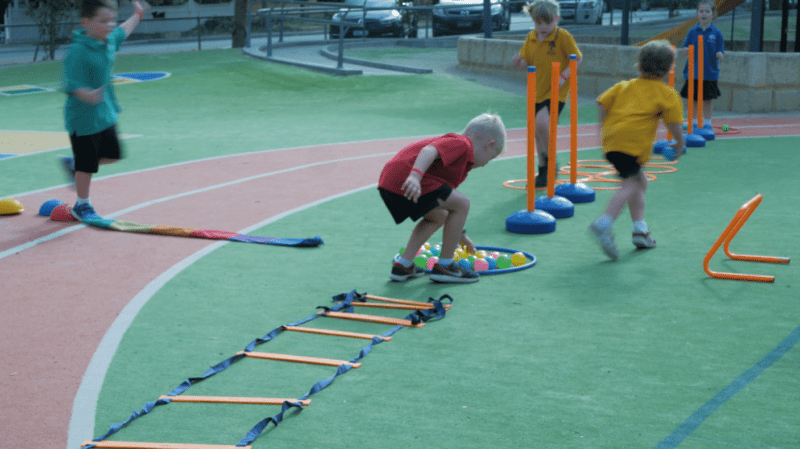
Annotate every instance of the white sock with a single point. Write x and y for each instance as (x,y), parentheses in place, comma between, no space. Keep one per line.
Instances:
(640,227)
(604,222)
(406,263)
(82,201)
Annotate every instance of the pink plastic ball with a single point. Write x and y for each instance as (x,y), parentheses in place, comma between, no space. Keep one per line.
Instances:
(432,261)
(480,265)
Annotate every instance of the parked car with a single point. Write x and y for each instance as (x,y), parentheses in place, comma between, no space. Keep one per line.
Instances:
(383,21)
(582,11)
(466,16)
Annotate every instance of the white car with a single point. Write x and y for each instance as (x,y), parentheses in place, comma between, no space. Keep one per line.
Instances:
(582,11)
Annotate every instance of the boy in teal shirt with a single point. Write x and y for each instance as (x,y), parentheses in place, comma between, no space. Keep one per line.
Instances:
(90,113)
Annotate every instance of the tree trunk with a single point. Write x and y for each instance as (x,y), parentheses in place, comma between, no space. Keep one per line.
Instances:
(239,38)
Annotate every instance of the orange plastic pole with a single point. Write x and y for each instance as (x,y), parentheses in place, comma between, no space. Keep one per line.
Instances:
(573,120)
(297,359)
(531,185)
(728,234)
(672,86)
(700,67)
(690,100)
(234,400)
(134,445)
(551,151)
(311,330)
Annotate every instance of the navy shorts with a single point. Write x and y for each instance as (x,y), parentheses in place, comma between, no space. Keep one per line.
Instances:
(710,90)
(401,207)
(546,104)
(88,150)
(626,165)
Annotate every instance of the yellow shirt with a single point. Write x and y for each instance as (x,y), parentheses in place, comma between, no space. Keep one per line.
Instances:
(555,48)
(633,109)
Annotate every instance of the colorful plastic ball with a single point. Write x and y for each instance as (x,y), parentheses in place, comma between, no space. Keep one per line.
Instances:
(465,263)
(494,254)
(426,245)
(480,265)
(62,213)
(436,250)
(518,259)
(725,128)
(492,262)
(431,262)
(47,207)
(472,259)
(503,262)
(481,254)
(421,261)
(10,206)
(457,257)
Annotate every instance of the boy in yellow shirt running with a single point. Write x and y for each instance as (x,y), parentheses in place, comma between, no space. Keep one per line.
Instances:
(629,113)
(546,44)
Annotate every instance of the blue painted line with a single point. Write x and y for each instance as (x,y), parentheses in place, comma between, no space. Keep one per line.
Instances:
(697,418)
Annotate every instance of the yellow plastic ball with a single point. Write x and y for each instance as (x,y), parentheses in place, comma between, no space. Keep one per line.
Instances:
(10,206)
(518,259)
(481,254)
(426,245)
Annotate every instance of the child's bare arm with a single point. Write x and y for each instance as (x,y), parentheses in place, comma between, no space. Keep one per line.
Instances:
(518,62)
(139,8)
(90,96)
(411,187)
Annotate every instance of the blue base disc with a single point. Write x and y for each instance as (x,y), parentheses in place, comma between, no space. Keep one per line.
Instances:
(706,132)
(658,147)
(694,140)
(557,206)
(525,222)
(577,193)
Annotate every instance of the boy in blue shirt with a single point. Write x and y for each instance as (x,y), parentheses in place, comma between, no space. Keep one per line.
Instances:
(90,113)
(714,51)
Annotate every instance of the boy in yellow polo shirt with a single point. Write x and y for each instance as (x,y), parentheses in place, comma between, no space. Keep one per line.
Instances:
(546,44)
(629,113)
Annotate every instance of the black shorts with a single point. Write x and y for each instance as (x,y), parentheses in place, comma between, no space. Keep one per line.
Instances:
(88,150)
(710,90)
(546,104)
(626,165)
(401,207)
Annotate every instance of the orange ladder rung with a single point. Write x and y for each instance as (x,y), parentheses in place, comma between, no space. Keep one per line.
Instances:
(134,445)
(402,301)
(727,236)
(311,330)
(234,400)
(391,306)
(371,318)
(297,359)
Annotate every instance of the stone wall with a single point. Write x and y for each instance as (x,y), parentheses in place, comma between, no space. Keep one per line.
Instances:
(750,82)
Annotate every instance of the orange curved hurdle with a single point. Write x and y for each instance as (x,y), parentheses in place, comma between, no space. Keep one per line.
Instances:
(725,238)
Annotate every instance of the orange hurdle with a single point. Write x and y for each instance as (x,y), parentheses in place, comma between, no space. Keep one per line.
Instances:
(728,234)
(234,400)
(132,445)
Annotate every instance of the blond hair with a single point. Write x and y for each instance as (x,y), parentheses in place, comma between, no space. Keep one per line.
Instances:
(489,127)
(656,58)
(543,10)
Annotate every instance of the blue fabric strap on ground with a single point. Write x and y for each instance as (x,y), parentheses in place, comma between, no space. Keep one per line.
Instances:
(280,241)
(216,369)
(148,407)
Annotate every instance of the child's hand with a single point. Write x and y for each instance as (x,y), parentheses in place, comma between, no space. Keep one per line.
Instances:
(465,241)
(678,149)
(519,63)
(91,96)
(140,6)
(720,55)
(411,187)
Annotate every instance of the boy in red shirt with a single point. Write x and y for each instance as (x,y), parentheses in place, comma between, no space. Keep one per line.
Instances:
(421,181)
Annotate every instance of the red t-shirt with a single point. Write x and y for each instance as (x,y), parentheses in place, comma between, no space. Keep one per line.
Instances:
(455,160)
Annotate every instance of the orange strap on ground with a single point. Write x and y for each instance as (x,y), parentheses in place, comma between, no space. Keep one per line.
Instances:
(725,238)
(311,330)
(234,400)
(133,445)
(402,301)
(371,319)
(297,359)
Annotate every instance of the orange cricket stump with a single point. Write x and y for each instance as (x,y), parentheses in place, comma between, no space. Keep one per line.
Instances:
(234,400)
(311,330)
(133,445)
(297,359)
(725,238)
(371,318)
(402,301)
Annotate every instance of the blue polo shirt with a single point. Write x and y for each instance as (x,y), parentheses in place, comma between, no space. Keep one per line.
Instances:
(88,64)
(712,44)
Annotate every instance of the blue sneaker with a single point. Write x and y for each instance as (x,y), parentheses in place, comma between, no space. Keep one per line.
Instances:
(85,212)
(68,164)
